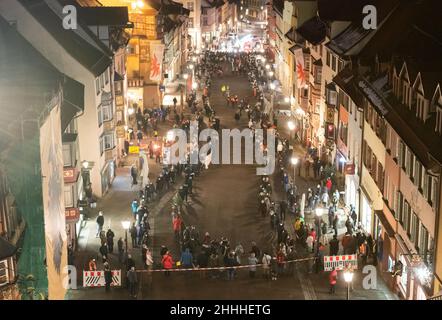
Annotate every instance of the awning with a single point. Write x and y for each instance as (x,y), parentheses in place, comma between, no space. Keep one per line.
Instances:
(6,249)
(388,228)
(69,137)
(73,101)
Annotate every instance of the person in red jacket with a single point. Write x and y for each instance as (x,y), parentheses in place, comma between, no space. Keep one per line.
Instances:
(332,278)
(167,262)
(328,184)
(176,223)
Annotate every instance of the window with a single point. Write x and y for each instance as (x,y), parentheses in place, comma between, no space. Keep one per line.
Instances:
(69,196)
(340,65)
(418,174)
(423,240)
(67,155)
(402,154)
(102,81)
(205,21)
(97,86)
(438,128)
(414,234)
(4,274)
(406,217)
(307,63)
(190,23)
(107,142)
(410,164)
(399,205)
(333,63)
(328,58)
(107,113)
(106,76)
(318,75)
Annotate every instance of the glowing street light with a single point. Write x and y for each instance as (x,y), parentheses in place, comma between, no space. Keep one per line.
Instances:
(85,164)
(130,111)
(291,125)
(267,66)
(294,161)
(272,86)
(194,59)
(348,277)
(194,86)
(271,73)
(191,66)
(286,99)
(185,76)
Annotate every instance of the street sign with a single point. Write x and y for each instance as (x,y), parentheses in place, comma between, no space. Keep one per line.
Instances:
(134,149)
(340,262)
(96,278)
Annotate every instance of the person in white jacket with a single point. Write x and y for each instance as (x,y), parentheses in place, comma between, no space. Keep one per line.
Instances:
(266,261)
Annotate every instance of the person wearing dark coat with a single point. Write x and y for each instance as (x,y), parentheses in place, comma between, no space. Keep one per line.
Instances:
(120,244)
(133,235)
(282,210)
(132,281)
(104,252)
(334,246)
(110,240)
(107,276)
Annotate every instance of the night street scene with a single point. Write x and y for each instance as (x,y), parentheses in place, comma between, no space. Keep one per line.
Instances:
(221,150)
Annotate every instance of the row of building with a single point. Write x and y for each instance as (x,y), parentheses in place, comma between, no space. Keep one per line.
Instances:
(66,97)
(370,101)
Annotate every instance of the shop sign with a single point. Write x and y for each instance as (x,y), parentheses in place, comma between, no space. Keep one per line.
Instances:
(121,133)
(349,168)
(134,149)
(70,175)
(330,115)
(72,214)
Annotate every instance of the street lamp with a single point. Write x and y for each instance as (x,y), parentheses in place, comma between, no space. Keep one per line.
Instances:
(348,277)
(194,86)
(272,86)
(291,125)
(85,164)
(185,76)
(194,59)
(271,73)
(286,99)
(267,66)
(126,226)
(130,111)
(191,66)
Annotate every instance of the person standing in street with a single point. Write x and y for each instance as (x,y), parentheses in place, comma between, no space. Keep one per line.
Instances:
(100,223)
(132,281)
(133,235)
(266,262)
(120,245)
(334,246)
(167,262)
(253,261)
(107,276)
(92,265)
(332,278)
(110,240)
(104,251)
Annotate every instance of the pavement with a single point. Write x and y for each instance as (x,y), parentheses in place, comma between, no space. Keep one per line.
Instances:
(224,203)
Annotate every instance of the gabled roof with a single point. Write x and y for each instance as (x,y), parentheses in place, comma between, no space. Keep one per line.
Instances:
(313,30)
(81,43)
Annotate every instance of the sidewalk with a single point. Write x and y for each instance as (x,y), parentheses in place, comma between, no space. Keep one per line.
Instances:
(316,286)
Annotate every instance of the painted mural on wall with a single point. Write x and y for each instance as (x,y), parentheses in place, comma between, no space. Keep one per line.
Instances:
(53,203)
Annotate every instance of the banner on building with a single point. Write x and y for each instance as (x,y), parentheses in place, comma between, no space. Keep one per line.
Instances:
(300,74)
(53,203)
(96,278)
(156,61)
(340,262)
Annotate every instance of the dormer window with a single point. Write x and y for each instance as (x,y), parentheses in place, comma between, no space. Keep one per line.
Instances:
(422,108)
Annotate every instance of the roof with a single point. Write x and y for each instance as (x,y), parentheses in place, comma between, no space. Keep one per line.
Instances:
(104,16)
(278,5)
(344,80)
(6,249)
(347,39)
(31,81)
(420,137)
(351,10)
(81,43)
(313,30)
